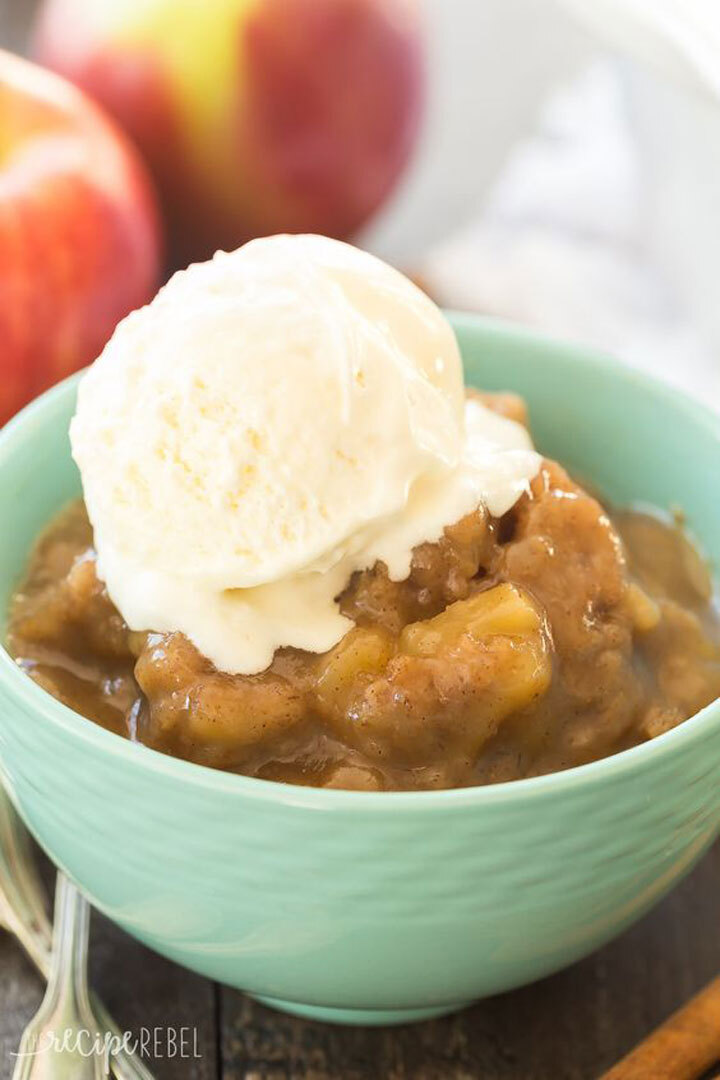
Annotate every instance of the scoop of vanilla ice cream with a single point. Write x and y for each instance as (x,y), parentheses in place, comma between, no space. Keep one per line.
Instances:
(274,420)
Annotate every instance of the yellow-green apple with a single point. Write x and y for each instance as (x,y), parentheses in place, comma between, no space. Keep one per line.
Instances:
(79,241)
(257,116)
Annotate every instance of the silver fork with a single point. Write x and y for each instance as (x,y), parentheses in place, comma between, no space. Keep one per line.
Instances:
(63,1040)
(61,956)
(22,896)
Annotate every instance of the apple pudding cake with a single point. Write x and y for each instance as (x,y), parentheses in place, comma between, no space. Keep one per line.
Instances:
(551,636)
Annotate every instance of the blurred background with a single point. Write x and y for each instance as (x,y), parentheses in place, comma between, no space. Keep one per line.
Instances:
(554,162)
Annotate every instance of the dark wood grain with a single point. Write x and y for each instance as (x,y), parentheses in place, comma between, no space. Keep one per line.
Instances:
(20,994)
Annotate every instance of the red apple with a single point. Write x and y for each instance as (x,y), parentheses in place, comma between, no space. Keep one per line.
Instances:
(79,242)
(256,116)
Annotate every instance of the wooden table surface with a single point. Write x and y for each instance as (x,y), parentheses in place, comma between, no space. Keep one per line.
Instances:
(569,1027)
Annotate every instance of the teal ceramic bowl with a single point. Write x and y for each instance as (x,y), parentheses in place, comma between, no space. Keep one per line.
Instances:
(366,907)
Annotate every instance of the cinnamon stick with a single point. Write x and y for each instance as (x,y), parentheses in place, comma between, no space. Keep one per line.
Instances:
(684,1047)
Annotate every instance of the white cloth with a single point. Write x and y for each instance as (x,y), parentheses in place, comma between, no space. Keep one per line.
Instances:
(560,244)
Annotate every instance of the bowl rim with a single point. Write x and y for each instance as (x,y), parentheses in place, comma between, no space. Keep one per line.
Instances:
(18,685)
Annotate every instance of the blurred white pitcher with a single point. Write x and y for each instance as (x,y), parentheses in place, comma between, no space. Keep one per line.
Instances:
(490,64)
(673,90)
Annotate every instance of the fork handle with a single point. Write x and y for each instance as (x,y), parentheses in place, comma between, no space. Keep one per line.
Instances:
(22,895)
(22,912)
(65,1013)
